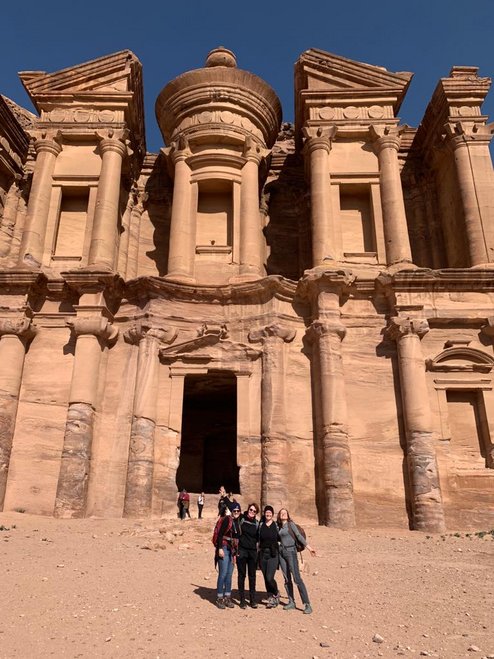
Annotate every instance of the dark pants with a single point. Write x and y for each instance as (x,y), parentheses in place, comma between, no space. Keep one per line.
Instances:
(247,560)
(269,565)
(200,506)
(289,567)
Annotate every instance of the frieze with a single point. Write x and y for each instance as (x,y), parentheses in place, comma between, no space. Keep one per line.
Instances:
(224,117)
(5,146)
(82,116)
(351,112)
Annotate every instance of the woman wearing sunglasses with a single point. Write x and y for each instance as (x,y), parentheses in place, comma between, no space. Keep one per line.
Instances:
(247,554)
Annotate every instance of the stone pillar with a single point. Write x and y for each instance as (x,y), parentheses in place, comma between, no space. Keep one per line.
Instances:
(104,236)
(386,141)
(15,334)
(9,217)
(317,147)
(91,334)
(33,239)
(274,474)
(181,257)
(326,335)
(426,500)
(139,487)
(251,265)
(459,140)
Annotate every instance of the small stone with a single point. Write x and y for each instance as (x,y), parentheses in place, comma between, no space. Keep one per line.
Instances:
(44,579)
(377,638)
(60,565)
(323,644)
(473,648)
(107,639)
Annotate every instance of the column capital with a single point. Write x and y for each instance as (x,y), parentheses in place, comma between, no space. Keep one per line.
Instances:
(460,133)
(178,151)
(385,137)
(47,141)
(144,329)
(252,151)
(327,327)
(273,331)
(115,141)
(401,327)
(21,327)
(95,326)
(318,137)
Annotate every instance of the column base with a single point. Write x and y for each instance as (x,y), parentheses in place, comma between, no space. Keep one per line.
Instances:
(401,265)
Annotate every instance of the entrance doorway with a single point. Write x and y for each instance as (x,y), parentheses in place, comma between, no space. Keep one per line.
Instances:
(208,451)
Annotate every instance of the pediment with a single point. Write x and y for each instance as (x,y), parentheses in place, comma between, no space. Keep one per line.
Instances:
(317,69)
(116,73)
(464,359)
(207,349)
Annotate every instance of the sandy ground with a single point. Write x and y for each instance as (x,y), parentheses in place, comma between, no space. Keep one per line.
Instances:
(119,588)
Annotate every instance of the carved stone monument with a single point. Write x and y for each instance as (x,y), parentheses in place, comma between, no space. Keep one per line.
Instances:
(302,312)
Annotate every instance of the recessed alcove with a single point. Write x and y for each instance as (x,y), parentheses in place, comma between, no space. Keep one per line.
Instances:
(357,223)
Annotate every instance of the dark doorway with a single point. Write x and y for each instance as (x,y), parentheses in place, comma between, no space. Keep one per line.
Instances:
(208,452)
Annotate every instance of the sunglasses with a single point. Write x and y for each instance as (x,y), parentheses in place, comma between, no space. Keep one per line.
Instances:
(236,512)
(252,510)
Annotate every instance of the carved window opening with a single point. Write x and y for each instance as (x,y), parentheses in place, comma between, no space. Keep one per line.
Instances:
(214,233)
(208,451)
(72,224)
(470,438)
(357,221)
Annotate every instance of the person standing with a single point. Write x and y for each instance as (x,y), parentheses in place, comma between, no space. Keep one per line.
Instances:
(200,505)
(225,537)
(184,504)
(269,555)
(247,554)
(288,531)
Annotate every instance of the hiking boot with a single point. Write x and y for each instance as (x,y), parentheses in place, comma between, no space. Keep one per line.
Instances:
(289,606)
(253,604)
(220,603)
(228,602)
(272,602)
(243,603)
(307,608)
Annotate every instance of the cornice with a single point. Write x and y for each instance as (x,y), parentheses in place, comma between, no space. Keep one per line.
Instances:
(273,286)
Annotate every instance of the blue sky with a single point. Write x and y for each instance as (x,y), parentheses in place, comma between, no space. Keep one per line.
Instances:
(170,37)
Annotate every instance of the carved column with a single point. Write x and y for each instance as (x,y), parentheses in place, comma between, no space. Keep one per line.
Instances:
(91,335)
(386,141)
(326,336)
(427,507)
(318,147)
(274,476)
(104,236)
(459,139)
(250,222)
(139,487)
(9,217)
(181,254)
(33,239)
(14,337)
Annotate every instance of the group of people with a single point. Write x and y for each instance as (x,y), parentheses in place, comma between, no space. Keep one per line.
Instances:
(183,504)
(241,539)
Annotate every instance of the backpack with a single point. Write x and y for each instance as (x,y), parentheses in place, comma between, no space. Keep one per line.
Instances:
(298,545)
(217,528)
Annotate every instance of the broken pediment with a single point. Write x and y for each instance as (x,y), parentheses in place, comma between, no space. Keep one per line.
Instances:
(319,70)
(116,73)
(334,89)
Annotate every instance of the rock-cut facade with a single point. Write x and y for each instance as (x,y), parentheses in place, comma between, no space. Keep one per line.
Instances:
(303,313)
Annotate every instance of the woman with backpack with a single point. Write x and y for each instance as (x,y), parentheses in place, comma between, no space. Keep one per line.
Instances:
(225,540)
(247,554)
(290,536)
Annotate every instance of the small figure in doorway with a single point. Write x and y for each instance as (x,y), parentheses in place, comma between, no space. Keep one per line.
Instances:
(201,500)
(184,504)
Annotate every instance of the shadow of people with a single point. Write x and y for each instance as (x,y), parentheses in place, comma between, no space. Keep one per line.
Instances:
(208,594)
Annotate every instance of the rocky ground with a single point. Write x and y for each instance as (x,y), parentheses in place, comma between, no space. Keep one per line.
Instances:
(119,588)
